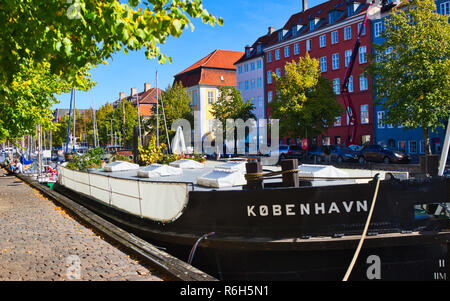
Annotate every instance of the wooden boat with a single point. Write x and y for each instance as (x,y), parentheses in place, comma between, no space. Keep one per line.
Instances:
(278,233)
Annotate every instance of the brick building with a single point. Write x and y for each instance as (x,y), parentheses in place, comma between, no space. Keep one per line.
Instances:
(328,33)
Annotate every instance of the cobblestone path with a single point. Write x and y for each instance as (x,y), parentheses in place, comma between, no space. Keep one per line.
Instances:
(40,241)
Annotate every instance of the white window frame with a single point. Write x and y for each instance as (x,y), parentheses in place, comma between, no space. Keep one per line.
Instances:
(246,68)
(323,64)
(269,96)
(277,54)
(259,64)
(334,37)
(269,76)
(308,45)
(286,51)
(350,84)
(259,82)
(338,121)
(444,8)
(335,61)
(377,29)
(278,72)
(296,48)
(252,66)
(322,40)
(253,84)
(410,148)
(210,97)
(336,86)
(269,57)
(347,33)
(359,28)
(246,85)
(363,84)
(380,123)
(348,57)
(364,114)
(362,53)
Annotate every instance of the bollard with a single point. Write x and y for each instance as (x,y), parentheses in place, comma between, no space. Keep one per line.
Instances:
(253,166)
(290,179)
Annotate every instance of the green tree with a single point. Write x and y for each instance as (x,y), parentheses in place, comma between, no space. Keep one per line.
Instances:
(412,68)
(305,103)
(53,43)
(230,105)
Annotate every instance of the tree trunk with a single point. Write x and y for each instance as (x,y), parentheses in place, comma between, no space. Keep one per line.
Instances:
(426,142)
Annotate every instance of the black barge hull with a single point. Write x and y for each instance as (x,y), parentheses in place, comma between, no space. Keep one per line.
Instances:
(307,233)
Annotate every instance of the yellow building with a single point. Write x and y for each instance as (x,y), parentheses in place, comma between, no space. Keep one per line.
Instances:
(201,81)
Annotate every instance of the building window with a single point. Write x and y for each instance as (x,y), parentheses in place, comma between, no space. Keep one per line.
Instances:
(294,30)
(240,69)
(260,101)
(252,66)
(380,117)
(258,49)
(335,61)
(259,82)
(402,146)
(286,51)
(194,98)
(241,85)
(323,64)
(269,57)
(246,68)
(347,33)
(278,72)
(348,56)
(312,23)
(336,88)
(337,121)
(413,147)
(269,96)
(445,8)
(210,97)
(280,35)
(269,77)
(248,52)
(322,41)
(359,29)
(296,49)
(259,64)
(362,55)
(334,37)
(246,85)
(378,28)
(364,114)
(253,84)
(308,45)
(350,84)
(362,82)
(277,54)
(365,139)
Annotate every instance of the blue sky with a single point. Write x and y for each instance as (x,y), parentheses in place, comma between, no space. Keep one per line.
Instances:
(244,22)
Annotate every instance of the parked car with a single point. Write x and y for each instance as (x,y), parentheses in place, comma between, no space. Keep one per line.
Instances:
(355,147)
(378,153)
(293,152)
(343,154)
(316,153)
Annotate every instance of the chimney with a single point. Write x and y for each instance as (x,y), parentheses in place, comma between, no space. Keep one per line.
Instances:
(305,4)
(147,86)
(133,91)
(121,95)
(272,29)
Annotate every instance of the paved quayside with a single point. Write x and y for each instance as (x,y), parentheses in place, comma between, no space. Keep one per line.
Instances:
(40,241)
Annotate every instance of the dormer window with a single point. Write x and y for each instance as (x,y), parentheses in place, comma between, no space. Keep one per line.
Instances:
(280,35)
(259,48)
(312,23)
(248,52)
(352,7)
(331,17)
(294,30)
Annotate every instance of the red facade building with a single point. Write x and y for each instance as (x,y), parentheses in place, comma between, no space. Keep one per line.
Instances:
(328,32)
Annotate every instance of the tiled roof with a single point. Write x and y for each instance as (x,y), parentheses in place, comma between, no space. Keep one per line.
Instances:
(267,39)
(216,69)
(147,97)
(221,59)
(321,13)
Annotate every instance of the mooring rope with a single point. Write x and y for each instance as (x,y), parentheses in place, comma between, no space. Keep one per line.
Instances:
(361,241)
(260,175)
(194,248)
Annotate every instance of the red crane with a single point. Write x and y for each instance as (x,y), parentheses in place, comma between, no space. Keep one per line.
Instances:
(349,108)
